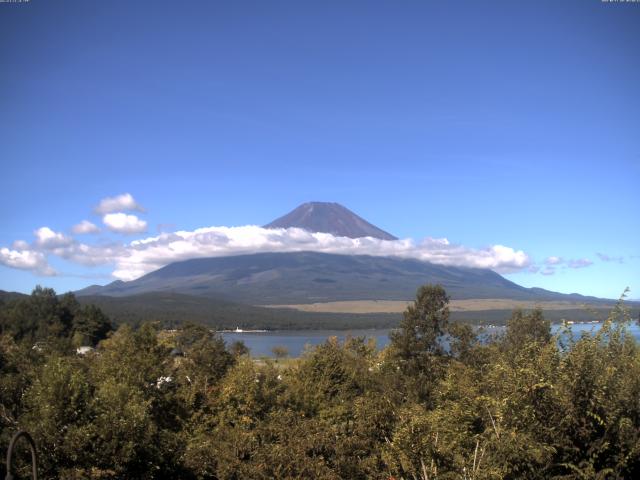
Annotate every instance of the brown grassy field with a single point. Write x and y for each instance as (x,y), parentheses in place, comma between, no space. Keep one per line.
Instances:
(393,306)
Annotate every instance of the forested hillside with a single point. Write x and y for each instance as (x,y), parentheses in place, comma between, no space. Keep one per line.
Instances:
(172,309)
(149,403)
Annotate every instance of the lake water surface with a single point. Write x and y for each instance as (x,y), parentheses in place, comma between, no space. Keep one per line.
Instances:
(261,343)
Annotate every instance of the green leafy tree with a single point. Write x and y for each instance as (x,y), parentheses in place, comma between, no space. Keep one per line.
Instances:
(19,364)
(524,328)
(135,420)
(57,413)
(417,344)
(423,324)
(90,325)
(598,433)
(39,317)
(436,403)
(223,440)
(205,362)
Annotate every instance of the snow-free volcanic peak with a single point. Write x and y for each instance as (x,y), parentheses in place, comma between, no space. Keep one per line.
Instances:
(329,217)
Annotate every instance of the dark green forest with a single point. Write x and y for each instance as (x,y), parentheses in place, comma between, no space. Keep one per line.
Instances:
(150,403)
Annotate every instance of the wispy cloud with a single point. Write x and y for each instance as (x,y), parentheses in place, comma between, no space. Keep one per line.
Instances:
(607,258)
(84,227)
(550,265)
(579,263)
(553,261)
(119,203)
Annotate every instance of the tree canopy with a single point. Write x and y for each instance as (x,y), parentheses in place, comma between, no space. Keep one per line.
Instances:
(438,403)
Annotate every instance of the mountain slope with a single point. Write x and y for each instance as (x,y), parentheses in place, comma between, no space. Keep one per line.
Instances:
(308,277)
(329,218)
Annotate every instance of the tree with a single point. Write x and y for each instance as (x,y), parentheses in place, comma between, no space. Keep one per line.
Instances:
(57,407)
(280,351)
(417,346)
(524,328)
(206,360)
(238,348)
(423,324)
(46,317)
(38,317)
(133,420)
(90,325)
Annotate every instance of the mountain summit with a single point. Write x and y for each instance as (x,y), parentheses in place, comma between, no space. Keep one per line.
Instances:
(331,218)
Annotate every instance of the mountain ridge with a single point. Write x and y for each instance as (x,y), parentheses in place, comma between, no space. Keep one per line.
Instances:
(329,217)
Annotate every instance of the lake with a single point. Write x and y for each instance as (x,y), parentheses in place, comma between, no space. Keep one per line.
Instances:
(261,343)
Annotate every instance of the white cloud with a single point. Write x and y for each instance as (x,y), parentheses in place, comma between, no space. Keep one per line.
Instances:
(119,203)
(553,261)
(123,223)
(85,226)
(47,239)
(91,255)
(26,260)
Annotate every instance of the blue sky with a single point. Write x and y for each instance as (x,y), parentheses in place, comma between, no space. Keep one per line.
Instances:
(486,123)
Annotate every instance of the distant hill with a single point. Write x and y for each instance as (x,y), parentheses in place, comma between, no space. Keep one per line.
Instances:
(8,296)
(329,218)
(172,309)
(308,277)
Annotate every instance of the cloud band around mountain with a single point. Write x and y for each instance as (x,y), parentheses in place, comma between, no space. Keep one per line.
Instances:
(142,256)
